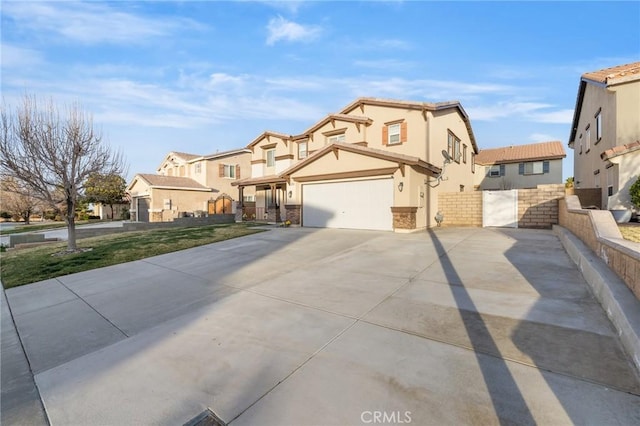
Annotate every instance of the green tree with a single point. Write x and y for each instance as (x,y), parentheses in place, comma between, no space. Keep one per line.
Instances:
(569,182)
(634,191)
(105,189)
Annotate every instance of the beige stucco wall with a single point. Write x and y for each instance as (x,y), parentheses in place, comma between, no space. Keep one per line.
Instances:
(513,180)
(628,171)
(620,109)
(211,171)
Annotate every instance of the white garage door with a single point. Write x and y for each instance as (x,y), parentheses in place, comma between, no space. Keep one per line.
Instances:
(362,204)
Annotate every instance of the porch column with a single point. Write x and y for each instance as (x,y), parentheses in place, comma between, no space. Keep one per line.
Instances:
(240,204)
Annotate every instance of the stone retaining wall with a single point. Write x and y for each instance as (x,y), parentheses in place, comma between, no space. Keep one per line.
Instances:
(600,232)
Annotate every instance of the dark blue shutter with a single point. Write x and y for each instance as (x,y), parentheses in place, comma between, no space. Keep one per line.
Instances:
(545,167)
(521,169)
(502,170)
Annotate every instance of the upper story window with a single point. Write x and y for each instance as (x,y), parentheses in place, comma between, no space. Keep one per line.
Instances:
(587,139)
(473,162)
(271,157)
(534,168)
(464,154)
(496,170)
(580,144)
(197,168)
(598,126)
(394,132)
(181,170)
(302,150)
(230,171)
(453,147)
(336,138)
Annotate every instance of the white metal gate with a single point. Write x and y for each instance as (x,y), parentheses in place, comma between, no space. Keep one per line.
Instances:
(500,208)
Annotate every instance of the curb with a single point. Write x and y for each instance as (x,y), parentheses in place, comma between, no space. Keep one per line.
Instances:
(620,304)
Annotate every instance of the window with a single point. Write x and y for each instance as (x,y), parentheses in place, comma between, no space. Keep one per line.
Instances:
(335,138)
(229,171)
(394,134)
(464,154)
(610,181)
(453,145)
(271,157)
(249,198)
(302,150)
(197,168)
(596,178)
(580,144)
(533,168)
(473,162)
(587,139)
(598,126)
(495,171)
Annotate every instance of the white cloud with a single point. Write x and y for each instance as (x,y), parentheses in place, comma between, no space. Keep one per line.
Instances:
(281,29)
(563,116)
(91,23)
(543,137)
(385,64)
(19,57)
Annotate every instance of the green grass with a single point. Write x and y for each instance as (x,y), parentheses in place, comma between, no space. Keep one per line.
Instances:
(19,267)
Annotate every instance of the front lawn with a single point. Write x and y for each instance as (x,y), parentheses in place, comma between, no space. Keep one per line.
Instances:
(630,232)
(21,228)
(19,267)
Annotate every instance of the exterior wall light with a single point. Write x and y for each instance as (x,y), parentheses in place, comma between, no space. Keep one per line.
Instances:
(400,186)
(290,194)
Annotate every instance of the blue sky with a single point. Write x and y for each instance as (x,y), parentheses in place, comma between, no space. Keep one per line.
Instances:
(209,76)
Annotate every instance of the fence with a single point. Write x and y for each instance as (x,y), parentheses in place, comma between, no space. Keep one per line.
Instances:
(537,208)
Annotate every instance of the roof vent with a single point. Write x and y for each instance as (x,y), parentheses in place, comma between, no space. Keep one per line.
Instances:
(206,418)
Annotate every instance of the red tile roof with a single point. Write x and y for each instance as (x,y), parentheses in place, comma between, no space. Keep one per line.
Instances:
(516,153)
(610,75)
(620,150)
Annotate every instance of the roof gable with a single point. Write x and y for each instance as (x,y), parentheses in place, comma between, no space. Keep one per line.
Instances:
(516,153)
(400,159)
(175,182)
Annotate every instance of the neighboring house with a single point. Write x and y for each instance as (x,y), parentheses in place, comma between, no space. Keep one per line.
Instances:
(373,165)
(189,184)
(605,133)
(519,166)
(119,210)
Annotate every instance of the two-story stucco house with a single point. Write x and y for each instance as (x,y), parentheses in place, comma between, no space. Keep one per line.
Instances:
(187,184)
(374,165)
(519,166)
(605,133)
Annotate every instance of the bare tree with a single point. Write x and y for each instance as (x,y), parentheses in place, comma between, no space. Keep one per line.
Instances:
(53,154)
(18,200)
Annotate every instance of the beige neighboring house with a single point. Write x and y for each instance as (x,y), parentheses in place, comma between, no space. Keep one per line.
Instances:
(119,210)
(373,165)
(188,184)
(605,133)
(519,166)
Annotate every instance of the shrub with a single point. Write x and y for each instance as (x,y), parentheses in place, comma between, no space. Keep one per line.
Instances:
(635,193)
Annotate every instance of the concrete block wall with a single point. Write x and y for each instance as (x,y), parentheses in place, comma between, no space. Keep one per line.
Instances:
(538,208)
(599,231)
(461,208)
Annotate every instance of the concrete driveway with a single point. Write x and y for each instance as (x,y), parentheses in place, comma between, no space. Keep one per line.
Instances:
(303,326)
